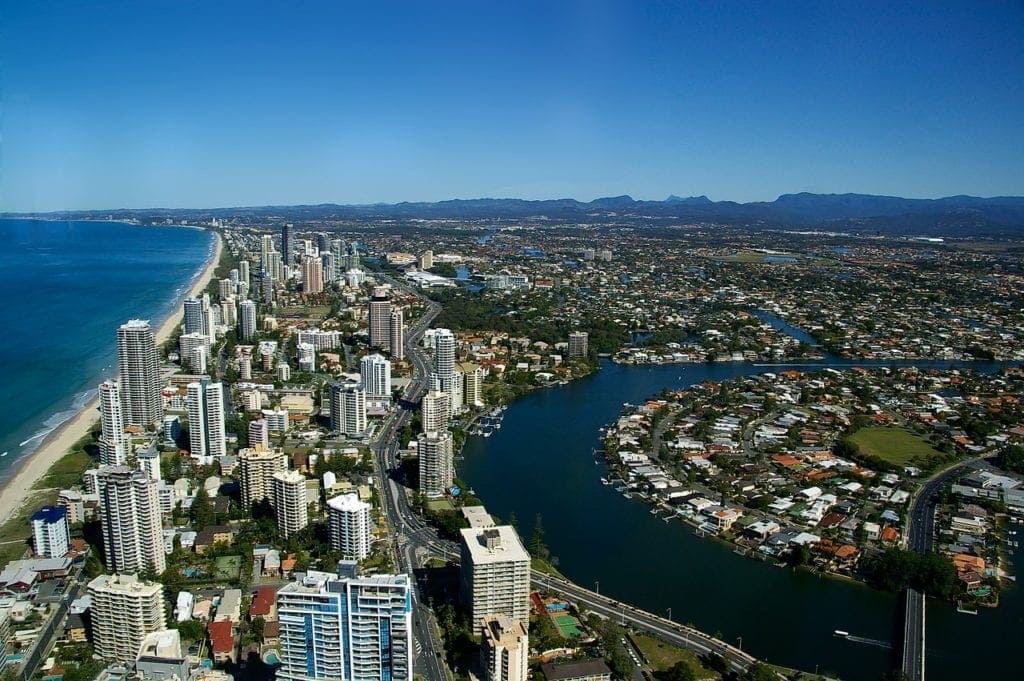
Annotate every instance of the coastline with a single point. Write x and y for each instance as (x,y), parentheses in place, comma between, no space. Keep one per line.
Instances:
(55,445)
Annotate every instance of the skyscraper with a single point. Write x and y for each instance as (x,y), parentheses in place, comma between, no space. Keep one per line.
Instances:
(578,342)
(397,330)
(194,321)
(139,367)
(380,319)
(348,410)
(290,503)
(375,372)
(357,629)
(194,350)
(113,441)
(259,433)
(504,649)
(286,245)
(123,612)
(130,518)
(51,537)
(472,384)
(349,526)
(312,275)
(443,377)
(436,408)
(256,468)
(436,466)
(247,320)
(495,573)
(205,403)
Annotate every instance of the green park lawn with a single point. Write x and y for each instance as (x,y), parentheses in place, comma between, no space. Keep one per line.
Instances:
(896,446)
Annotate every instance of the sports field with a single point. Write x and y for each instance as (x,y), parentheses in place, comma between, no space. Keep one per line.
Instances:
(893,445)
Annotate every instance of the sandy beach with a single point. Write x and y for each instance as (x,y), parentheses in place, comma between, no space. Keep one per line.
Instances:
(17,490)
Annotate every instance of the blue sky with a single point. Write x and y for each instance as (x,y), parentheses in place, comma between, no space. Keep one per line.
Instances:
(199,104)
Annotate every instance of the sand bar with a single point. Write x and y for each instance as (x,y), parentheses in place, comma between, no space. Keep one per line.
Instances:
(55,445)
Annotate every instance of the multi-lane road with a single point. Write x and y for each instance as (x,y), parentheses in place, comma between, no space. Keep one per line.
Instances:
(920,535)
(415,542)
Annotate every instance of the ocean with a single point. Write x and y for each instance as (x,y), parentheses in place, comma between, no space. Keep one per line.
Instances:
(67,286)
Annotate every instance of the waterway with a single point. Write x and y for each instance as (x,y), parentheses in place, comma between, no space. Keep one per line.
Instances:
(541,462)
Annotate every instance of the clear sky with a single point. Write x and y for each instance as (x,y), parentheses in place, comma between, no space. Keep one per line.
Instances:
(197,103)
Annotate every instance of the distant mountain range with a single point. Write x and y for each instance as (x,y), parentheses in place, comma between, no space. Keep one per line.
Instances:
(953,215)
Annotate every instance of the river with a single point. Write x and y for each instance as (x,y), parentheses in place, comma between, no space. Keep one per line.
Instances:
(541,462)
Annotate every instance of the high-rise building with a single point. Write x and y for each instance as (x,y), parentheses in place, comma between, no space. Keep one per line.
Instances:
(338,251)
(444,353)
(306,357)
(312,274)
(225,288)
(356,629)
(437,470)
(352,260)
(348,410)
(243,271)
(472,384)
(397,332)
(375,372)
(194,351)
(349,526)
(329,267)
(290,504)
(380,319)
(436,409)
(148,462)
(323,244)
(210,318)
(194,321)
(426,260)
(256,468)
(277,419)
(123,612)
(259,433)
(504,648)
(578,341)
(51,537)
(495,573)
(286,245)
(205,403)
(130,519)
(139,367)
(247,320)
(113,440)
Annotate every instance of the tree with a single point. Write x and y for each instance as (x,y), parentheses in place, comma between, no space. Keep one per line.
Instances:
(680,671)
(537,547)
(1012,458)
(201,513)
(758,672)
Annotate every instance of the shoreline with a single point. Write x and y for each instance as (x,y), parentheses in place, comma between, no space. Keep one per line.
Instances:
(55,445)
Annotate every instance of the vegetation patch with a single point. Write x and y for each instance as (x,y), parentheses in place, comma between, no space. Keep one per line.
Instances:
(894,446)
(663,656)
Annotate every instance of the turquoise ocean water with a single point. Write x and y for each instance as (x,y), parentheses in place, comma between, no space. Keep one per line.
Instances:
(67,286)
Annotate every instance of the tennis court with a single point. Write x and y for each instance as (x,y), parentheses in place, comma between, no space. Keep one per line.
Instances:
(566,623)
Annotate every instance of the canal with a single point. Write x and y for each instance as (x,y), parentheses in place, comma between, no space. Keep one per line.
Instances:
(541,462)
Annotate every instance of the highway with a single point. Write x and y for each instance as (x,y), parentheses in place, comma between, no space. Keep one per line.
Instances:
(415,542)
(919,538)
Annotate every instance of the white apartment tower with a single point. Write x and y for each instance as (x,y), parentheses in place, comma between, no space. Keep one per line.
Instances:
(348,410)
(437,470)
(256,468)
(247,320)
(124,611)
(504,648)
(375,372)
(472,384)
(51,537)
(205,403)
(290,503)
(436,409)
(349,526)
(380,319)
(259,433)
(578,344)
(130,518)
(139,367)
(357,629)
(495,573)
(397,330)
(113,441)
(195,321)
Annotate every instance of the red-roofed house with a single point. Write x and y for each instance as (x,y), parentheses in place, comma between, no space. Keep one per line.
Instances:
(263,604)
(222,641)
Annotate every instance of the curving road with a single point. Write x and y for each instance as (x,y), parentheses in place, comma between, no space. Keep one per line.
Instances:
(416,542)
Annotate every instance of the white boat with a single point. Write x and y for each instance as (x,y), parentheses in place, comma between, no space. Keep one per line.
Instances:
(605,481)
(4,454)
(840,633)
